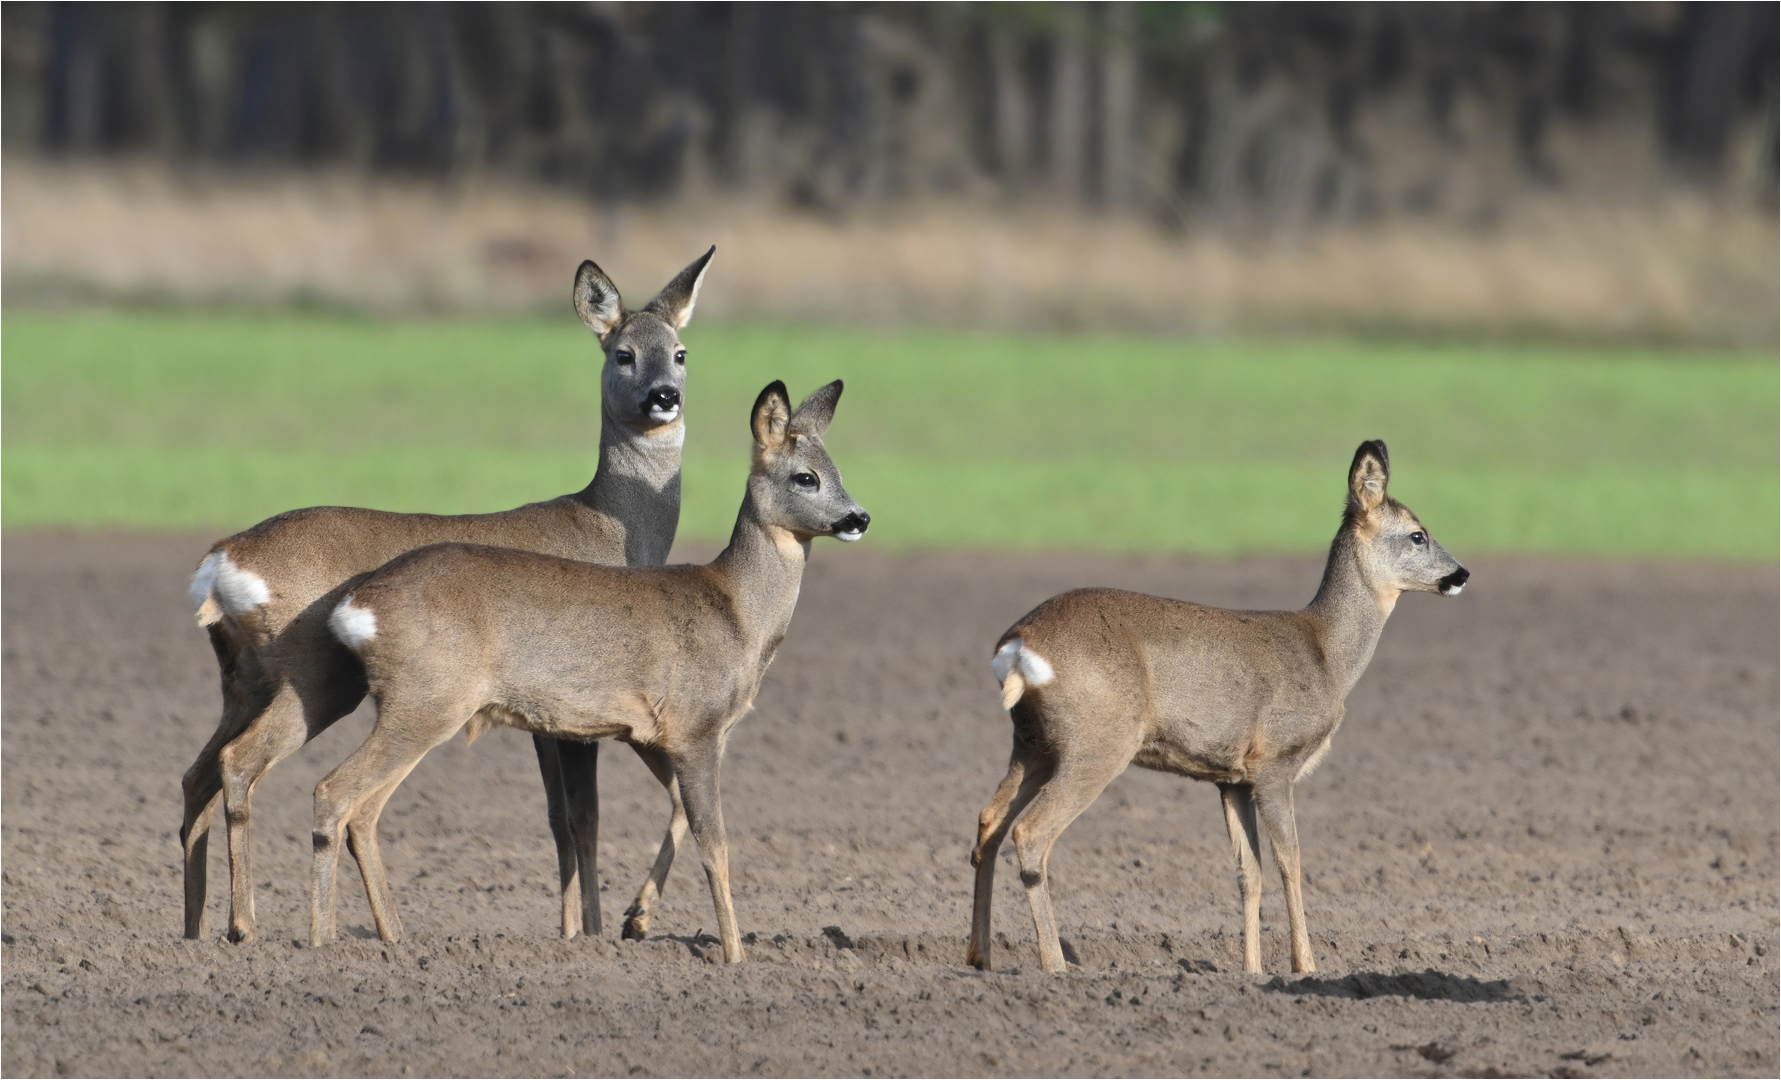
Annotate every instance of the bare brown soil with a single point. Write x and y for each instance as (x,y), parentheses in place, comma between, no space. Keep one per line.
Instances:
(1545,843)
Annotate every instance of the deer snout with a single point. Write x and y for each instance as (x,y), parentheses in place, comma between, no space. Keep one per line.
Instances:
(1454,582)
(662,404)
(851,527)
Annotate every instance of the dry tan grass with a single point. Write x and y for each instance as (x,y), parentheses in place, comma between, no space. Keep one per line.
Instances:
(1668,268)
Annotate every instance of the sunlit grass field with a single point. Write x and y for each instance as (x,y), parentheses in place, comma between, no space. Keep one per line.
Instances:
(949,438)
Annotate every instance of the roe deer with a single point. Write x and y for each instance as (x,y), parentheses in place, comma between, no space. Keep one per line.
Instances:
(264,595)
(1097,679)
(665,658)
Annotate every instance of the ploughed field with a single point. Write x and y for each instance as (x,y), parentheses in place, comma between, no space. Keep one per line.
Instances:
(1544,842)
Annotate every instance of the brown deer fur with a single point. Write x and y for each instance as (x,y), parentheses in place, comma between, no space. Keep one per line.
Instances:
(265,595)
(666,658)
(1097,679)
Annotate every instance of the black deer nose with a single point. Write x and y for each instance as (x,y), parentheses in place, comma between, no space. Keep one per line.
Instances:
(662,399)
(1455,581)
(855,523)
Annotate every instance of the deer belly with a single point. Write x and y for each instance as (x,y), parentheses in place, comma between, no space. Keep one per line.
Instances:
(1201,764)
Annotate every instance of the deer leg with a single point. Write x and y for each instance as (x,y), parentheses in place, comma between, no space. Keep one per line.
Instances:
(568,870)
(705,816)
(1239,819)
(277,733)
(361,840)
(395,746)
(201,785)
(642,909)
(1275,804)
(1061,799)
(581,794)
(1017,789)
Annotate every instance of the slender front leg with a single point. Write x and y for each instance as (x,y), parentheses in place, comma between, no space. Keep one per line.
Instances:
(1275,804)
(1239,818)
(1018,787)
(705,816)
(581,794)
(557,805)
(642,910)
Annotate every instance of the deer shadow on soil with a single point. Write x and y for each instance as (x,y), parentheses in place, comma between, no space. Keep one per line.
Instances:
(1428,985)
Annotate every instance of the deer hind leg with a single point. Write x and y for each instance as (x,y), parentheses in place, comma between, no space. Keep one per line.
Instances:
(550,767)
(361,840)
(201,785)
(1074,785)
(642,910)
(275,734)
(203,782)
(367,778)
(1026,773)
(1275,804)
(1239,819)
(581,795)
(704,812)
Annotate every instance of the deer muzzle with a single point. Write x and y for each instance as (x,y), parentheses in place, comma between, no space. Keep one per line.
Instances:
(662,404)
(851,527)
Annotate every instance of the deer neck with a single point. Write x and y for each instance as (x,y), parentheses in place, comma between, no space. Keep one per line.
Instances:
(763,567)
(636,487)
(1348,613)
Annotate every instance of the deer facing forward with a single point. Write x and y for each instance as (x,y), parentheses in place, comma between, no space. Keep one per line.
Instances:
(264,596)
(1098,679)
(664,658)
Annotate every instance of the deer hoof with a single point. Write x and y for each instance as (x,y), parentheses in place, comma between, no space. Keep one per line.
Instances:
(636,928)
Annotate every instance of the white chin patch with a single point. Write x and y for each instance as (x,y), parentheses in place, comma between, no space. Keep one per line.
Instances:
(665,416)
(850,535)
(1452,590)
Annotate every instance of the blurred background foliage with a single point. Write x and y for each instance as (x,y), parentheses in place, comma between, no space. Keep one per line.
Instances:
(1279,111)
(1123,275)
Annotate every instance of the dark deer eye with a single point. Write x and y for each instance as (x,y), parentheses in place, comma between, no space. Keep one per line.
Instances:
(1419,538)
(805,480)
(625,357)
(680,356)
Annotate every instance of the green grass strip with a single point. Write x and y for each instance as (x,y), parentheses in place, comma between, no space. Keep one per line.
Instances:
(951,438)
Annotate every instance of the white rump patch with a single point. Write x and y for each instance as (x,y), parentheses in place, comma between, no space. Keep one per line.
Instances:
(1013,654)
(236,590)
(204,580)
(353,625)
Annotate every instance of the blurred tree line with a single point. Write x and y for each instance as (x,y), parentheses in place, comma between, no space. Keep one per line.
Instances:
(1185,111)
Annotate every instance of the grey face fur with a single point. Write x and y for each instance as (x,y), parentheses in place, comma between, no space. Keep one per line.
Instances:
(795,484)
(644,378)
(1398,552)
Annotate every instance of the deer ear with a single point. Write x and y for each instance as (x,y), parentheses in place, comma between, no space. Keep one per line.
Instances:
(1368,476)
(813,416)
(676,300)
(772,414)
(596,299)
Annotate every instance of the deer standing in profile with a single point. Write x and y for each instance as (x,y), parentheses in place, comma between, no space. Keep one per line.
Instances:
(667,659)
(1098,679)
(264,595)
